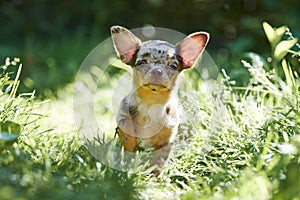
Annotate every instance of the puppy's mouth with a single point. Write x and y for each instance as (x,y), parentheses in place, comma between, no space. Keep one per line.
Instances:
(155,87)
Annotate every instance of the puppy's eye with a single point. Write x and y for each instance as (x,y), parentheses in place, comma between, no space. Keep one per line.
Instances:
(173,65)
(141,62)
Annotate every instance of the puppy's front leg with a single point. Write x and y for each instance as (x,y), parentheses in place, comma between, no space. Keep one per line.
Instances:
(160,158)
(126,127)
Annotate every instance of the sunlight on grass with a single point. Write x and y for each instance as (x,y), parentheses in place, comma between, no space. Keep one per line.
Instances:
(235,142)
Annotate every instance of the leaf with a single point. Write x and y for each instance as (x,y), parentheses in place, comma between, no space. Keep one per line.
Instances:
(119,64)
(283,47)
(274,35)
(10,127)
(269,31)
(9,132)
(279,32)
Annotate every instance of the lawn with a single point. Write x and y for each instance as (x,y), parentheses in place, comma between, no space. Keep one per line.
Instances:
(236,142)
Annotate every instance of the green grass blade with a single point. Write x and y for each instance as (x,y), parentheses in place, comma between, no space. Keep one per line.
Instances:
(288,74)
(16,82)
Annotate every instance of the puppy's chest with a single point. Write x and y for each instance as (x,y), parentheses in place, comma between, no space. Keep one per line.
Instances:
(150,120)
(147,118)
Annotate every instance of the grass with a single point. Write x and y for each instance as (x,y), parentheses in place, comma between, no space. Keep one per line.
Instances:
(237,143)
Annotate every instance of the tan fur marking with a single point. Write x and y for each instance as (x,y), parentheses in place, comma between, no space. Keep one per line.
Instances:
(160,139)
(149,97)
(129,142)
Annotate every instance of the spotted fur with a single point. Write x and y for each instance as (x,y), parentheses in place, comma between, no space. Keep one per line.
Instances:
(149,115)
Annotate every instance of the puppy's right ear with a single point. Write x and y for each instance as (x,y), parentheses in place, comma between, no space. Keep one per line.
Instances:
(125,42)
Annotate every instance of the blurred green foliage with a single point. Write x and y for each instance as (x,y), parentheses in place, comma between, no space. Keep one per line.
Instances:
(52,37)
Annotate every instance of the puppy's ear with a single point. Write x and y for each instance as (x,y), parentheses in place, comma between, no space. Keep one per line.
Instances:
(191,47)
(125,42)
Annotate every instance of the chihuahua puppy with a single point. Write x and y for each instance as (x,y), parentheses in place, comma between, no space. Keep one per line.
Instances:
(150,114)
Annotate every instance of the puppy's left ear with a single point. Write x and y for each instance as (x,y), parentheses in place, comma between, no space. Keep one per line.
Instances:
(191,47)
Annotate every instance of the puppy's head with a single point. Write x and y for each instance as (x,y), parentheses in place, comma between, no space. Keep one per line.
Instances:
(157,64)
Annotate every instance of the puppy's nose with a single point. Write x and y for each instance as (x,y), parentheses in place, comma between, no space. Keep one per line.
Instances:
(157,72)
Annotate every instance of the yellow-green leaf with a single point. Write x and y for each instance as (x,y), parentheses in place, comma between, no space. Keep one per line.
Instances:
(269,31)
(283,47)
(279,32)
(119,64)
